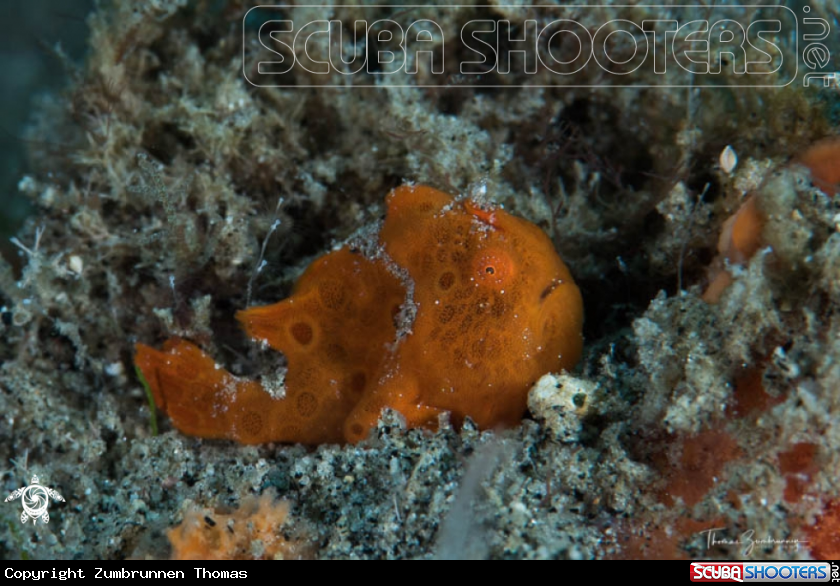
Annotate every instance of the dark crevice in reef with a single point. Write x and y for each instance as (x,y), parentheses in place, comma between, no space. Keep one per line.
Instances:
(612,270)
(165,141)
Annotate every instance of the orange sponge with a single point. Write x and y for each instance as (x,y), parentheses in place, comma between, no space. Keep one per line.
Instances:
(824,534)
(739,240)
(252,532)
(823,160)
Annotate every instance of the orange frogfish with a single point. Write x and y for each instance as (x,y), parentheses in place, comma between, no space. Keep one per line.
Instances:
(495,308)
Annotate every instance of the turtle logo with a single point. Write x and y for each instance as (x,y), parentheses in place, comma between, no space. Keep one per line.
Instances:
(35,500)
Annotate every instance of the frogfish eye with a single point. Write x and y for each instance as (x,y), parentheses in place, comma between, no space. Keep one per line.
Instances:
(494,268)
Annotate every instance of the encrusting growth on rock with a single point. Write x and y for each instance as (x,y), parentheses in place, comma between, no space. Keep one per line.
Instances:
(739,240)
(251,532)
(741,236)
(824,534)
(823,160)
(496,309)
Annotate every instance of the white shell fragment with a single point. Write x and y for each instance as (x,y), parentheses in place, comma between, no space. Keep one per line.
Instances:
(728,160)
(76,264)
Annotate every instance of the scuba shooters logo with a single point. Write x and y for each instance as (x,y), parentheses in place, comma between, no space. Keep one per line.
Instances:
(568,46)
(762,572)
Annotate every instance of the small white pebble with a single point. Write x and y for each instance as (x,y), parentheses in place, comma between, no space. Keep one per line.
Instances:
(26,185)
(728,160)
(114,369)
(75,264)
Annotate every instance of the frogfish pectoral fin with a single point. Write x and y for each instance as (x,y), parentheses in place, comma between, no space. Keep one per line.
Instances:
(205,400)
